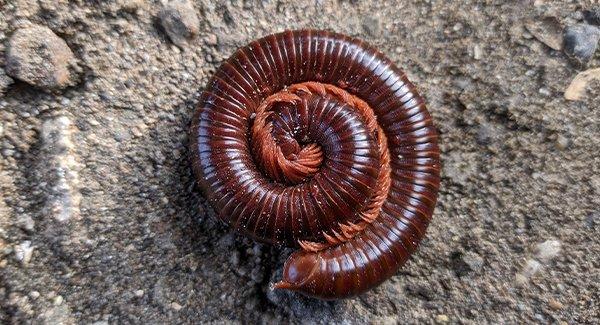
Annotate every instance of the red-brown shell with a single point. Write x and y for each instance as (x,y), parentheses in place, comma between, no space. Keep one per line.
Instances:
(315,139)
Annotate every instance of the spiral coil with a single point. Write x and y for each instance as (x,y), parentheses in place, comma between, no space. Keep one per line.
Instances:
(316,140)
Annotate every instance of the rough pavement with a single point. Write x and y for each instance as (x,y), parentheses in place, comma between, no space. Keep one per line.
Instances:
(100,219)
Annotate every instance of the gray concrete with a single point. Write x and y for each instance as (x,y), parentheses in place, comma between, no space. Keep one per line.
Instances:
(100,219)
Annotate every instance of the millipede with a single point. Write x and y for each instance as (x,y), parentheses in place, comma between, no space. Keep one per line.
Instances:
(316,140)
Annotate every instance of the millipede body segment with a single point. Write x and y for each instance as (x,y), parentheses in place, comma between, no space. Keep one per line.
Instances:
(316,140)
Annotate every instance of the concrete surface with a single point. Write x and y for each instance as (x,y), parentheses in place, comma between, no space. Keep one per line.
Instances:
(101,222)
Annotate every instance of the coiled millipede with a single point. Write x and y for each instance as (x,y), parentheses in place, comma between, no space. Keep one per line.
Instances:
(316,140)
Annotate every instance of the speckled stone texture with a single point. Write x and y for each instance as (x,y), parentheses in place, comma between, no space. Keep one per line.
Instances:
(101,221)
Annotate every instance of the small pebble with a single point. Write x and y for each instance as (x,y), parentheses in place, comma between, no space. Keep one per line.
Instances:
(562,142)
(23,252)
(136,132)
(211,39)
(176,306)
(25,222)
(442,318)
(180,21)
(477,52)
(58,300)
(39,57)
(548,250)
(555,304)
(34,295)
(580,41)
(139,293)
(473,260)
(544,91)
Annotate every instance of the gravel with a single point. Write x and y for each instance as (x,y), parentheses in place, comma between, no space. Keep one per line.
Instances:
(39,57)
(581,41)
(121,234)
(547,30)
(180,21)
(583,81)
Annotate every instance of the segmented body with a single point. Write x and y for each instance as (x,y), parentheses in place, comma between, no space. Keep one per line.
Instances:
(317,140)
